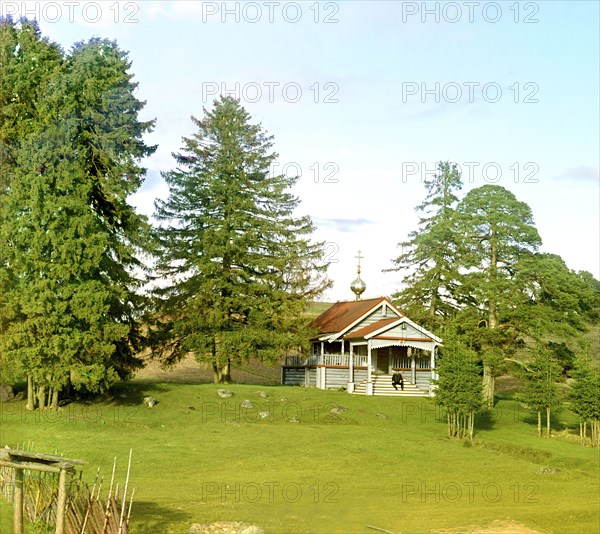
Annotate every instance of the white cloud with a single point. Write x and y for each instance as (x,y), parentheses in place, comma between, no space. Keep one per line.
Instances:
(582,173)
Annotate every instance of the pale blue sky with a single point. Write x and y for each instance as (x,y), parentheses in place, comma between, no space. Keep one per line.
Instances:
(369,61)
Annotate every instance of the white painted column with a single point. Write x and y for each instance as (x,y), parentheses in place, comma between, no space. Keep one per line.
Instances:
(413,368)
(369,384)
(319,378)
(432,365)
(350,386)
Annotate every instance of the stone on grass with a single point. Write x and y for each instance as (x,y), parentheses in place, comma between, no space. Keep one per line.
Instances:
(547,471)
(262,394)
(6,393)
(382,415)
(247,404)
(225,527)
(150,401)
(224,393)
(264,415)
(338,410)
(294,420)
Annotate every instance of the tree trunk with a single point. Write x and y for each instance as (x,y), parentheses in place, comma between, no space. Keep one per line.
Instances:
(539,423)
(493,311)
(30,396)
(489,383)
(222,372)
(547,421)
(41,397)
(54,404)
(68,389)
(489,380)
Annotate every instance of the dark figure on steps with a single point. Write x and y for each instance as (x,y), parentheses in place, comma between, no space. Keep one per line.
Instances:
(397,379)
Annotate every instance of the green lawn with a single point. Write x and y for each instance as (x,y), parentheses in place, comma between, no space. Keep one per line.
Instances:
(197,458)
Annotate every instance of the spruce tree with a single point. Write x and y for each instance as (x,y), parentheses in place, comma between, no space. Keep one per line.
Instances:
(72,242)
(585,399)
(431,255)
(459,390)
(540,393)
(236,266)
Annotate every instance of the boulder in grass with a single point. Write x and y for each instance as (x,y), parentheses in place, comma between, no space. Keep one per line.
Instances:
(247,404)
(262,394)
(6,393)
(225,527)
(150,401)
(547,471)
(264,415)
(338,410)
(224,393)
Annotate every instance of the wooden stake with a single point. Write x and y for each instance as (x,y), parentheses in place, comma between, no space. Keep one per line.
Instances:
(18,502)
(124,499)
(61,503)
(112,478)
(130,505)
(380,529)
(107,511)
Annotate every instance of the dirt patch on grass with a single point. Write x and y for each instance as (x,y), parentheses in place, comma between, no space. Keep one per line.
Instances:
(508,384)
(495,527)
(190,371)
(187,370)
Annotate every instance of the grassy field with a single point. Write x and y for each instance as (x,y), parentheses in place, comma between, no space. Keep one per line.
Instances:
(384,462)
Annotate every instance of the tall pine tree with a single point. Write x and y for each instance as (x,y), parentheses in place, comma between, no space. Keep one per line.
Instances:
(497,231)
(237,267)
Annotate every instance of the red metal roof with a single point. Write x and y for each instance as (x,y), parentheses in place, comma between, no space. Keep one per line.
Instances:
(342,314)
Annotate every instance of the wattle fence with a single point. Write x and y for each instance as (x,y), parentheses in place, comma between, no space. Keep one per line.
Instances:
(101,508)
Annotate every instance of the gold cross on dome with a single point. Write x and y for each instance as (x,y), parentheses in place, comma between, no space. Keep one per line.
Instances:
(359,257)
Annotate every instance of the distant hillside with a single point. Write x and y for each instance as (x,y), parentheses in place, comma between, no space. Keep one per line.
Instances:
(317,308)
(594,337)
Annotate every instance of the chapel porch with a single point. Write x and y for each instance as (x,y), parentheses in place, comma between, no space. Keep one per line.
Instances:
(330,370)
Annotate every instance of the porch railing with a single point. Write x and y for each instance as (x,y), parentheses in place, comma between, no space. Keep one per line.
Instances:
(342,360)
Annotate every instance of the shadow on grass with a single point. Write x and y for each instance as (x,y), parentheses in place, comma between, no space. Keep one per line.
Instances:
(133,393)
(148,516)
(485,420)
(531,419)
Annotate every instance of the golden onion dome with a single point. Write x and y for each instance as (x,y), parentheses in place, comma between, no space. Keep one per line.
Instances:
(358,287)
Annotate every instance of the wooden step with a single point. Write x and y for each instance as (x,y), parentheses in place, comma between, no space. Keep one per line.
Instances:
(382,387)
